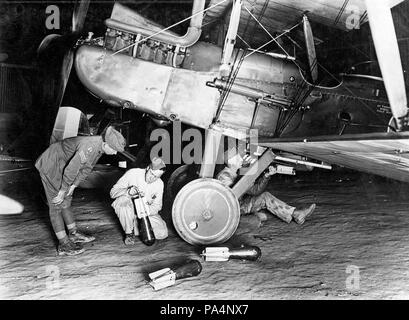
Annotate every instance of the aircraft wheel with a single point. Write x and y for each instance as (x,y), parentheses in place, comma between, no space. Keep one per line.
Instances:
(179,178)
(205,212)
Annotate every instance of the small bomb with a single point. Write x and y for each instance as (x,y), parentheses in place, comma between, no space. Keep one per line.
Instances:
(142,216)
(167,277)
(251,253)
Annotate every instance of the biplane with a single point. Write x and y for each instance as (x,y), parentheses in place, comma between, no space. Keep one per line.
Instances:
(252,77)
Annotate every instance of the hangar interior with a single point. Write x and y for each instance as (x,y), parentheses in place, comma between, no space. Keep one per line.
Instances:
(360,222)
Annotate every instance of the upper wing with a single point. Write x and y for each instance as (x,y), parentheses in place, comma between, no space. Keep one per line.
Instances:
(279,15)
(385,154)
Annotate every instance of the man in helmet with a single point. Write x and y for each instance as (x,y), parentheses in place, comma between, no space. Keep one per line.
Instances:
(256,199)
(62,167)
(147,182)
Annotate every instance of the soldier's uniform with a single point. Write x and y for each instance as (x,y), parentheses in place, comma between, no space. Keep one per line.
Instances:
(62,167)
(256,199)
(65,163)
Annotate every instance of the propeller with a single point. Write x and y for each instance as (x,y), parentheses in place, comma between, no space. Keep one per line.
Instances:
(79,14)
(53,44)
(10,206)
(387,50)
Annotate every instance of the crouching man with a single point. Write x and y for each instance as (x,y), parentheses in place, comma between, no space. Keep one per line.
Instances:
(149,185)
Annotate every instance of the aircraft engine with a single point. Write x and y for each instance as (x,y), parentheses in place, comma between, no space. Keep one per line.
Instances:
(150,50)
(141,38)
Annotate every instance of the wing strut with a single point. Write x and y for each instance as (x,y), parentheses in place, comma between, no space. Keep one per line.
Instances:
(230,39)
(387,50)
(309,43)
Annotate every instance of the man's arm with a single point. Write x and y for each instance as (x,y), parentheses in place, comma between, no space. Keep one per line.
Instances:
(261,183)
(155,203)
(121,187)
(71,171)
(86,169)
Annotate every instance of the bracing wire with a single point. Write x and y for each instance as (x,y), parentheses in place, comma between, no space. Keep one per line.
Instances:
(230,81)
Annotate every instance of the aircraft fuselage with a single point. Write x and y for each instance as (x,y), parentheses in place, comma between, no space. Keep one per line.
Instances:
(149,84)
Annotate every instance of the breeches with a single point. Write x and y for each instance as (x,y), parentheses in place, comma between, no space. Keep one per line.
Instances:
(266,201)
(124,209)
(60,215)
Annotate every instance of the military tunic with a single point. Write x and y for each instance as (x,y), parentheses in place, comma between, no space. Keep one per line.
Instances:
(65,163)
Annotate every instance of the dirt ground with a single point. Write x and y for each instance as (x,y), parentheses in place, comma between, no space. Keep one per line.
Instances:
(354,246)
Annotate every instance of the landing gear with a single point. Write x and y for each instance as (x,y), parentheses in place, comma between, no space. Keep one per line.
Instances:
(205,212)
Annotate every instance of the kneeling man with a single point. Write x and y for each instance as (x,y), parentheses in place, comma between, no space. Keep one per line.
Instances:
(150,186)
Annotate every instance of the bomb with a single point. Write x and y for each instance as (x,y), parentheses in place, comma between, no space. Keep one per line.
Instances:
(251,253)
(167,277)
(142,215)
(145,230)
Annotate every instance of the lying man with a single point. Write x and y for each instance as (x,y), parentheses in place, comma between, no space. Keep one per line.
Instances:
(256,199)
(150,186)
(62,167)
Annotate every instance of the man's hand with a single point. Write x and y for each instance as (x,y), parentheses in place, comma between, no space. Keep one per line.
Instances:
(272,170)
(59,198)
(71,191)
(248,160)
(134,191)
(150,201)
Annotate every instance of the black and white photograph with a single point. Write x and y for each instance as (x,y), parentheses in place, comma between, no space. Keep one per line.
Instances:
(204,150)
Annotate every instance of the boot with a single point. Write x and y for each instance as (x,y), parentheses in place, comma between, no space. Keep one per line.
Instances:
(299,215)
(78,237)
(261,217)
(69,248)
(129,239)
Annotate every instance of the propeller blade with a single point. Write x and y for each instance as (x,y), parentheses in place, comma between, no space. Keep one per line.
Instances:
(387,50)
(309,43)
(47,43)
(78,20)
(79,14)
(65,74)
(56,56)
(10,206)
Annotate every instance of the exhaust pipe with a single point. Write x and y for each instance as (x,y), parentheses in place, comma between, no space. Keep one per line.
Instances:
(190,38)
